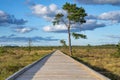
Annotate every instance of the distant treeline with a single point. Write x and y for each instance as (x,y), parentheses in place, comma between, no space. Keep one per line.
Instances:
(58,47)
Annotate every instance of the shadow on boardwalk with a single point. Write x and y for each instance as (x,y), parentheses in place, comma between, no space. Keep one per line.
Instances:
(28,72)
(100,70)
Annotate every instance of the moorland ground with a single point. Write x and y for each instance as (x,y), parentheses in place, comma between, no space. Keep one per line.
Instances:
(99,58)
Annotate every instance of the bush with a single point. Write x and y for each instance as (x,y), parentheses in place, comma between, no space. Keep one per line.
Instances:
(117,54)
(2,50)
(118,47)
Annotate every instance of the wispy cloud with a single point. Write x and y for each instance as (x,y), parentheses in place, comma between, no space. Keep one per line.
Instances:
(112,16)
(114,36)
(23,29)
(7,19)
(29,2)
(14,38)
(100,2)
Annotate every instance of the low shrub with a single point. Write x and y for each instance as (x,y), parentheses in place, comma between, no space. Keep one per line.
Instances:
(2,50)
(117,54)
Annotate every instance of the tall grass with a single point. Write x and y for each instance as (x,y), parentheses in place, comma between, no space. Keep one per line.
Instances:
(16,58)
(100,59)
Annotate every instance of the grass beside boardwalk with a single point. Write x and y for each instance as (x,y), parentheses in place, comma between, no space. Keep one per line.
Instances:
(13,59)
(100,59)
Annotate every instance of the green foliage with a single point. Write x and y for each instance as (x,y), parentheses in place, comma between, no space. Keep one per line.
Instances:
(117,54)
(36,53)
(57,18)
(118,47)
(75,13)
(88,48)
(77,36)
(63,42)
(2,50)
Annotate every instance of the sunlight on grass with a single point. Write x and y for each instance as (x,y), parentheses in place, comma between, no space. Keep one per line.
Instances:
(99,59)
(17,58)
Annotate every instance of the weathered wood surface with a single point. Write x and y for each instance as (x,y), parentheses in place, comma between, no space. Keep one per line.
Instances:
(59,66)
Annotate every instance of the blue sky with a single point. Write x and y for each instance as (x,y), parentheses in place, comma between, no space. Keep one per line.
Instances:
(24,19)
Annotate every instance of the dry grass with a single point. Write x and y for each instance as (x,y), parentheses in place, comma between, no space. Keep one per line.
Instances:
(16,58)
(100,59)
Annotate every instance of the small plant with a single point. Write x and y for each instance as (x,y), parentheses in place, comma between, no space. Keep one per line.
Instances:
(117,54)
(118,47)
(2,50)
(63,42)
(36,53)
(88,48)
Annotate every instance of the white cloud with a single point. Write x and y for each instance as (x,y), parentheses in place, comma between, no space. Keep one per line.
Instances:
(53,7)
(113,16)
(2,15)
(46,12)
(23,29)
(91,17)
(113,36)
(111,2)
(51,28)
(93,21)
(89,25)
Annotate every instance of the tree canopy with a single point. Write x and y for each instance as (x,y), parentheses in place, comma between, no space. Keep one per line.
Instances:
(74,15)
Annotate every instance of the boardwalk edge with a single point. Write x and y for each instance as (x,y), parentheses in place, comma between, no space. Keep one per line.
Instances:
(16,74)
(93,72)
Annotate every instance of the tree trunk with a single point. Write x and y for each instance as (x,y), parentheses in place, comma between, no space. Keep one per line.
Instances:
(29,46)
(69,40)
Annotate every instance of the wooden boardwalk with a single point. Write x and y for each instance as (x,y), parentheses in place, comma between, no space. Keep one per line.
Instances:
(57,66)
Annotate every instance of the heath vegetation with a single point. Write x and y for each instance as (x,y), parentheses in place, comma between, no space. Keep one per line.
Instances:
(14,58)
(103,59)
(99,58)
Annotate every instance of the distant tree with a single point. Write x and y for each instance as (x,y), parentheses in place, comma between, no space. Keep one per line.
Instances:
(29,45)
(118,47)
(75,15)
(117,54)
(88,48)
(63,42)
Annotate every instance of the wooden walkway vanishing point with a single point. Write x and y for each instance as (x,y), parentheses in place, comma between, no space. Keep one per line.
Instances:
(57,66)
